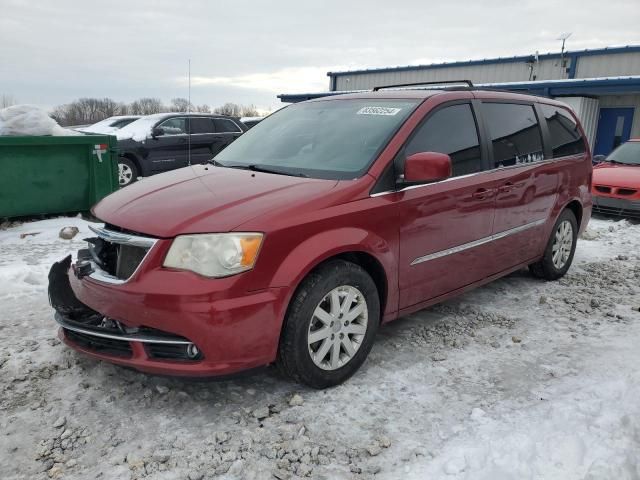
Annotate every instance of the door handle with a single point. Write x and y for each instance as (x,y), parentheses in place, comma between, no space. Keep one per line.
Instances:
(507,187)
(482,193)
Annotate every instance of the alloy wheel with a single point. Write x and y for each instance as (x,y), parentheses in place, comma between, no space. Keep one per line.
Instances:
(338,327)
(562,244)
(125,174)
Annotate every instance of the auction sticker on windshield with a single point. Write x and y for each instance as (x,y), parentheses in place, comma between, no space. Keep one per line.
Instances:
(378,111)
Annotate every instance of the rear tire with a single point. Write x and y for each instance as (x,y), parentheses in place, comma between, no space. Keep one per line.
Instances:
(560,248)
(127,171)
(330,326)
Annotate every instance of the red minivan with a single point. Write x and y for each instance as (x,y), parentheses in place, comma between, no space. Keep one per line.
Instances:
(320,223)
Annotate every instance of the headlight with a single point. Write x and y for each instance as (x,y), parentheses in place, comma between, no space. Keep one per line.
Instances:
(215,254)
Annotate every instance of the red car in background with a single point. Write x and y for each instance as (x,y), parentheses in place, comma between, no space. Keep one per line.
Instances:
(323,221)
(616,182)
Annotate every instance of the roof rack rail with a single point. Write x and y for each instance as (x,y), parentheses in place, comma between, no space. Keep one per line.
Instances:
(417,84)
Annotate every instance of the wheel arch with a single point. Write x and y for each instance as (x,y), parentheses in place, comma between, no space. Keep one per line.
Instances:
(135,159)
(576,207)
(355,245)
(369,264)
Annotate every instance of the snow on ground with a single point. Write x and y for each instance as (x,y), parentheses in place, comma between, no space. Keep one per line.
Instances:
(29,120)
(518,379)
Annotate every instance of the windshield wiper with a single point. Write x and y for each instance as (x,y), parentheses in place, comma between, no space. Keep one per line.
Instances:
(259,168)
(216,163)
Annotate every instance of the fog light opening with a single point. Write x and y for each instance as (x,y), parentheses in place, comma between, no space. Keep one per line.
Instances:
(192,351)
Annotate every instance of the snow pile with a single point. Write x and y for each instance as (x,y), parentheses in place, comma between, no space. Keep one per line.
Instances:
(140,129)
(29,120)
(251,119)
(28,250)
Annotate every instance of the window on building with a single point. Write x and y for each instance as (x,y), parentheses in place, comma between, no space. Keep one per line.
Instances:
(224,125)
(563,130)
(514,133)
(451,130)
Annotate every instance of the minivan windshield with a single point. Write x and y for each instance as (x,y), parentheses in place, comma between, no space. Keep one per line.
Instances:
(627,154)
(331,139)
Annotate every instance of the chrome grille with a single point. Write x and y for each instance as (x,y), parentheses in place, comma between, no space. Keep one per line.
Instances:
(116,256)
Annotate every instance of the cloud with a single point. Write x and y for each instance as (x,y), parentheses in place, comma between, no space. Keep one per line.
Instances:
(249,51)
(291,79)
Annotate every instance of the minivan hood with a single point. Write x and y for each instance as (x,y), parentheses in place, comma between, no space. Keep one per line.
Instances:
(203,199)
(616,175)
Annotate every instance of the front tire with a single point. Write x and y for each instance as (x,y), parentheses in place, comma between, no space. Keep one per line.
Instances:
(330,326)
(127,171)
(560,249)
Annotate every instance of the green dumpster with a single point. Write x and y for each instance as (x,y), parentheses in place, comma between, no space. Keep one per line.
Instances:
(44,175)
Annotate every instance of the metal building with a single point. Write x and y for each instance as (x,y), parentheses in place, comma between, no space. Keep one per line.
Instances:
(602,85)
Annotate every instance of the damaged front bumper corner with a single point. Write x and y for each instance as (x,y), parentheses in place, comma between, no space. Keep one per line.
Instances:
(97,335)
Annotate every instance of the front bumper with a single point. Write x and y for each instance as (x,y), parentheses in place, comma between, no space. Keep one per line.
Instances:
(616,206)
(149,324)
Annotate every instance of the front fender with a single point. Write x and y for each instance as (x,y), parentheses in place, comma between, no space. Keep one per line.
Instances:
(320,247)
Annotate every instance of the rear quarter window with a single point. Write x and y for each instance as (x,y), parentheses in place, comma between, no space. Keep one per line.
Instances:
(514,133)
(564,134)
(224,125)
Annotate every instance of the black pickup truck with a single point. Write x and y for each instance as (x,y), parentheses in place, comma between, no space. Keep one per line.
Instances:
(166,141)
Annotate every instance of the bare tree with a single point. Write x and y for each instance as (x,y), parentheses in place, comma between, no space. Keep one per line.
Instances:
(181,105)
(147,106)
(109,108)
(7,100)
(204,108)
(249,111)
(230,109)
(87,111)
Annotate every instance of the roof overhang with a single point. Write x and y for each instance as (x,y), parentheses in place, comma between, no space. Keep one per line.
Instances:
(585,87)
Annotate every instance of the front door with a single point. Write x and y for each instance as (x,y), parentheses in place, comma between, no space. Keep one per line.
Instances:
(445,227)
(614,128)
(169,150)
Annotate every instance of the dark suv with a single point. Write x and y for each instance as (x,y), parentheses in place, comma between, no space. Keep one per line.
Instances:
(166,141)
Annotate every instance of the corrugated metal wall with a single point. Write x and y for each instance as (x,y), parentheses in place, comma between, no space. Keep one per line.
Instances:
(487,73)
(587,111)
(620,64)
(588,66)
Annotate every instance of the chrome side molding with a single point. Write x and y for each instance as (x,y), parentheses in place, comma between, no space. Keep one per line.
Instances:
(477,243)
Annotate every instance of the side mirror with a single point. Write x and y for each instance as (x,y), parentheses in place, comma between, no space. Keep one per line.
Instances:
(157,132)
(425,167)
(599,158)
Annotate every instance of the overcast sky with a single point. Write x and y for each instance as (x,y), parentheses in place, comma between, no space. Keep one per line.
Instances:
(246,51)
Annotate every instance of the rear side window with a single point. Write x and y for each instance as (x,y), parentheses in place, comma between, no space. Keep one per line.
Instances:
(224,125)
(514,133)
(563,131)
(201,125)
(451,130)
